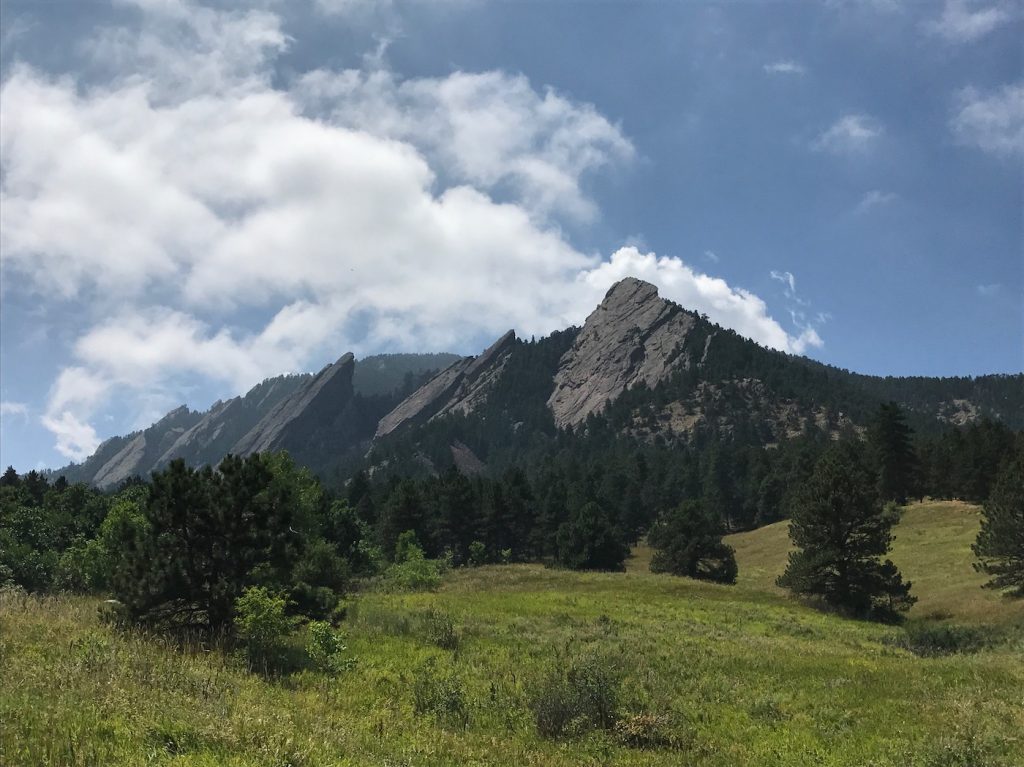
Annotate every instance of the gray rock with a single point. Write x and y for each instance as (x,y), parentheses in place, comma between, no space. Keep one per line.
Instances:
(224,424)
(139,451)
(303,411)
(459,388)
(632,337)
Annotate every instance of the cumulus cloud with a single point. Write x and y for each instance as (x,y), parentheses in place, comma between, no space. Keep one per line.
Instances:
(992,122)
(848,135)
(964,22)
(224,228)
(784,68)
(491,130)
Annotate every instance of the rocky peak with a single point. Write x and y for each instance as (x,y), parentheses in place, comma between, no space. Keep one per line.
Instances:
(305,409)
(458,388)
(633,336)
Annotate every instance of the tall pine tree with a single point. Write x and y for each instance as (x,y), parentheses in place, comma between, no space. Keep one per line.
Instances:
(1000,543)
(841,529)
(892,451)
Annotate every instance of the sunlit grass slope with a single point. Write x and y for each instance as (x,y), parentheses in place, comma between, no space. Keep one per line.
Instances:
(736,676)
(932,548)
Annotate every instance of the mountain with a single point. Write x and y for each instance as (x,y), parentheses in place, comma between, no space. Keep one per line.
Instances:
(646,370)
(641,369)
(311,416)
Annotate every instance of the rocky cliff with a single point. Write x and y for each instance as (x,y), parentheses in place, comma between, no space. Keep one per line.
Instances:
(138,452)
(458,389)
(224,424)
(633,336)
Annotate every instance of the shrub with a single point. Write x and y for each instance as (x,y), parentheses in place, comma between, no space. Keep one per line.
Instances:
(931,640)
(477,554)
(411,570)
(326,646)
(441,695)
(573,699)
(262,626)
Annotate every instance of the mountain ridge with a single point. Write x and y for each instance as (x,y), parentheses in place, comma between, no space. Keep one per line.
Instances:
(642,365)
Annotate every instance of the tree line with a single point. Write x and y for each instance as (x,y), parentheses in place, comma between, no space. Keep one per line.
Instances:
(182,548)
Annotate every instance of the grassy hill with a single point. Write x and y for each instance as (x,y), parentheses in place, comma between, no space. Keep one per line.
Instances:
(710,676)
(932,548)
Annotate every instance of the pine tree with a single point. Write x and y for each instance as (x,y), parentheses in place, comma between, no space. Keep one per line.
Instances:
(1000,543)
(840,529)
(688,542)
(892,450)
(589,541)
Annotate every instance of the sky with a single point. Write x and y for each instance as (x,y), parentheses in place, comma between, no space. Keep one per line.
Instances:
(200,195)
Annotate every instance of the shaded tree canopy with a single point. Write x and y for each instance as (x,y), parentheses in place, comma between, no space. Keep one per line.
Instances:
(688,542)
(840,529)
(1000,543)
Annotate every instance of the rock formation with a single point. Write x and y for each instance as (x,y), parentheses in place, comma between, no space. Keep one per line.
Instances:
(224,424)
(632,337)
(457,389)
(316,403)
(139,451)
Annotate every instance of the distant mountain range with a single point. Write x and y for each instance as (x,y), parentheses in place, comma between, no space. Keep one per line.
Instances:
(641,366)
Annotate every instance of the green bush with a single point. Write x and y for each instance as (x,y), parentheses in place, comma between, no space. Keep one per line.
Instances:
(477,554)
(326,647)
(575,698)
(262,626)
(412,571)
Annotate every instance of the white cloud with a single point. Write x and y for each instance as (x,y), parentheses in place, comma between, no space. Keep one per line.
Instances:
(964,22)
(729,306)
(351,211)
(849,134)
(873,199)
(784,68)
(491,130)
(787,279)
(711,256)
(76,439)
(13,408)
(993,122)
(989,290)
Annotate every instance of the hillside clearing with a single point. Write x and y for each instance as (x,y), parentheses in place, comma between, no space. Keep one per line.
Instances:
(718,676)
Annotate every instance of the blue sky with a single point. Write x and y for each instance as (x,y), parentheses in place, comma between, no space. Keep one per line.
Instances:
(197,196)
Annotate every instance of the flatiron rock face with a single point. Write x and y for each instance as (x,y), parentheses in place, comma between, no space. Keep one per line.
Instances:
(303,411)
(456,389)
(141,449)
(227,421)
(633,336)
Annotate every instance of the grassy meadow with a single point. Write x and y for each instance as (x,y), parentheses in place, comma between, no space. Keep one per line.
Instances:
(706,675)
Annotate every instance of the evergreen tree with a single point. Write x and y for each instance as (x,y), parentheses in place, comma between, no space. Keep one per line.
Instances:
(892,450)
(688,542)
(1000,543)
(589,541)
(404,510)
(206,536)
(840,529)
(9,478)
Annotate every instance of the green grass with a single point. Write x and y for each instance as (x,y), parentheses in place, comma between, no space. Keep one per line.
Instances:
(736,675)
(932,548)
